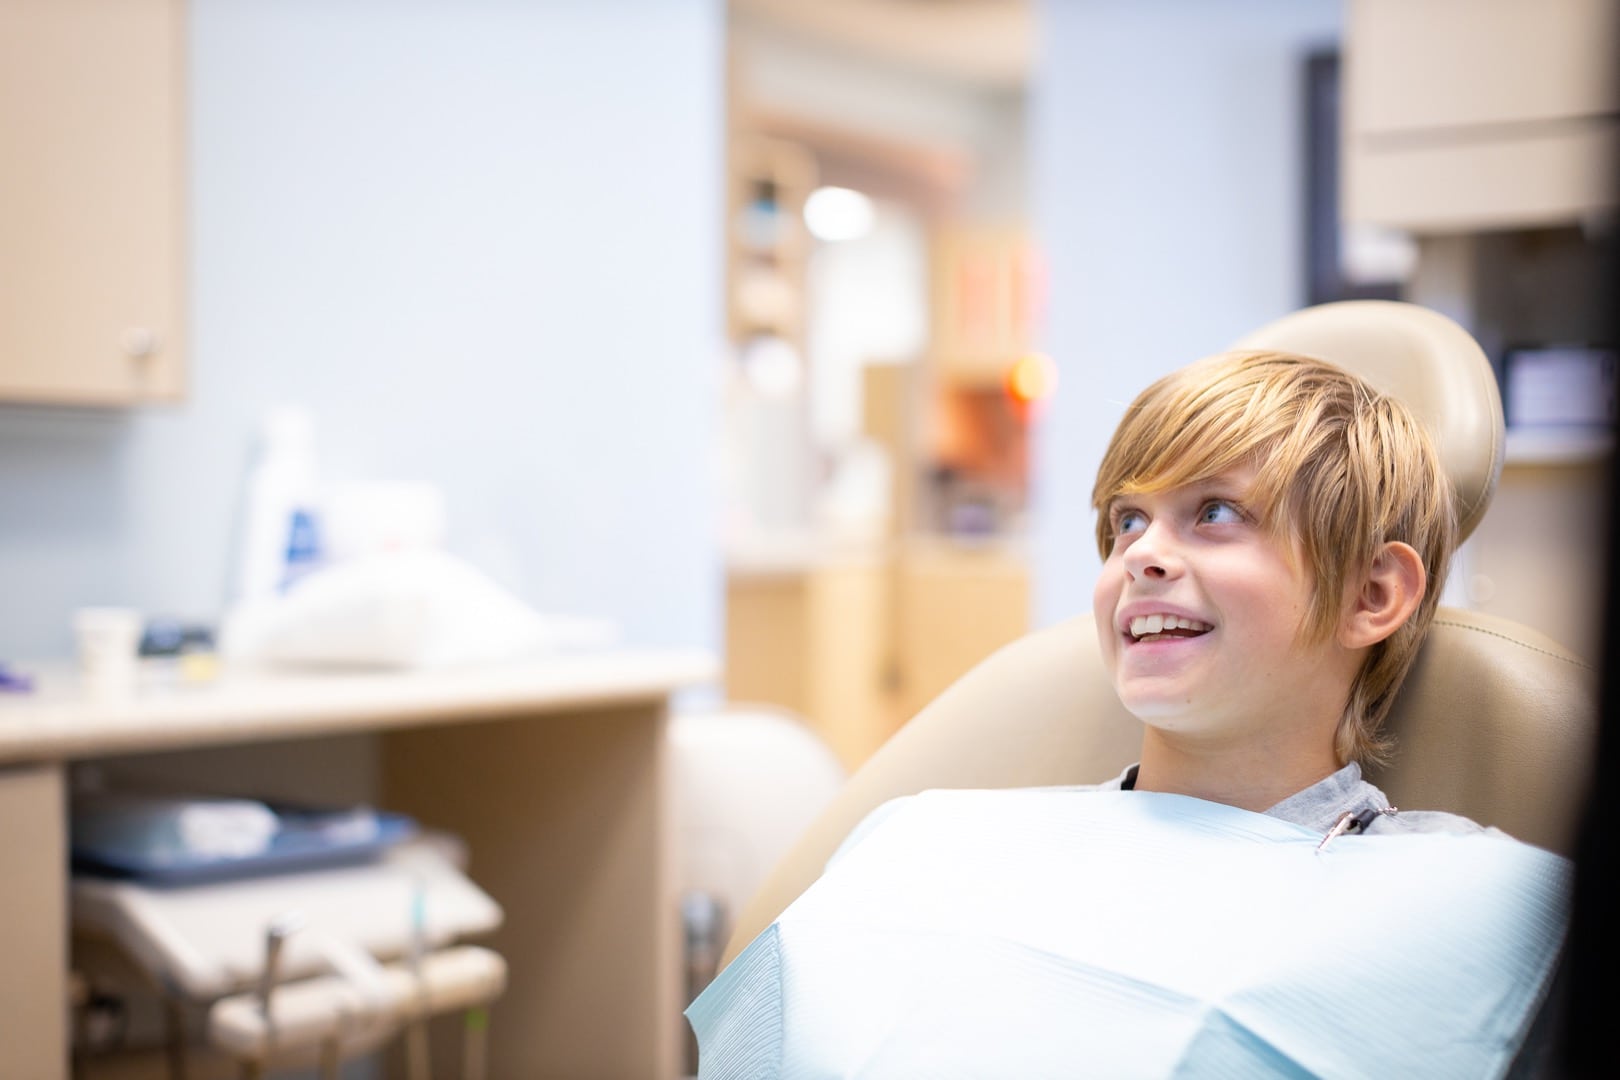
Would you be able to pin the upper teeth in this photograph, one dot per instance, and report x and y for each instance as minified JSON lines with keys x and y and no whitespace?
{"x":1143,"y":625}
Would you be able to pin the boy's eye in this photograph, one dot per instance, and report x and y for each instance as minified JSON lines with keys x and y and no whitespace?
{"x":1220,"y":513}
{"x":1129,"y":521}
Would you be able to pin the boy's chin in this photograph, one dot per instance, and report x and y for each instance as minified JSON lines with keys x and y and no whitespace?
{"x":1159,"y":714}
{"x":1169,"y":713}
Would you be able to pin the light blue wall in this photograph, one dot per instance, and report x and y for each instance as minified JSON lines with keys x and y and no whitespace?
{"x":481,"y":240}
{"x":1166,"y":175}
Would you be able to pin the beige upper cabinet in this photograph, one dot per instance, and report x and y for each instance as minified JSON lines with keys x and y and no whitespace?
{"x":1462,"y":115}
{"x":92,"y":201}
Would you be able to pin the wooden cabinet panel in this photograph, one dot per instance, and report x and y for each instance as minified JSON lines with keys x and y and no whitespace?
{"x":1416,"y":65}
{"x":33,"y":934}
{"x":858,"y":646}
{"x":816,"y":640}
{"x":92,"y":198}
{"x":956,"y":607}
{"x":1463,"y":115}
{"x":1546,"y":177}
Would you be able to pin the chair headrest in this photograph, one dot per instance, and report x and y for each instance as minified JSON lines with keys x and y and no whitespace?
{"x":1427,"y":361}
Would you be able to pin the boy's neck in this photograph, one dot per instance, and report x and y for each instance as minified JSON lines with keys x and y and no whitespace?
{"x":1248,"y":777}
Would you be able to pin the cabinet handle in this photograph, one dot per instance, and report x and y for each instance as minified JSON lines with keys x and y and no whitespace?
{"x":139,"y":342}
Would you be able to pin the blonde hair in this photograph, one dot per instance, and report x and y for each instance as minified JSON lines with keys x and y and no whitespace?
{"x":1341,"y":469}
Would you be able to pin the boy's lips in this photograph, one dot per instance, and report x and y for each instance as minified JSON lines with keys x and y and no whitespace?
{"x":1148,"y":622}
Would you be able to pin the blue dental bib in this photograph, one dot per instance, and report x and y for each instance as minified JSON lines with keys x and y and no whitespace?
{"x":1050,"y":933}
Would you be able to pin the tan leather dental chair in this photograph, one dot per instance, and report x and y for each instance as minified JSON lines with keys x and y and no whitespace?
{"x":1495,"y":721}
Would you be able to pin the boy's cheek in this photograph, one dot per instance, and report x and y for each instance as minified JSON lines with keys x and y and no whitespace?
{"x":1108,"y":643}
{"x":1105,"y":597}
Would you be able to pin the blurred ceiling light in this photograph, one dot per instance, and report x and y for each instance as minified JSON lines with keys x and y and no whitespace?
{"x":1031,"y":378}
{"x":838,"y":213}
{"x":771,"y":367}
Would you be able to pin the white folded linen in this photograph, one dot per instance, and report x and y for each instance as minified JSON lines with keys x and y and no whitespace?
{"x":159,"y":829}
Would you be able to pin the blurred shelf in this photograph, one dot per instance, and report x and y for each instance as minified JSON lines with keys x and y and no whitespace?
{"x":1540,"y":447}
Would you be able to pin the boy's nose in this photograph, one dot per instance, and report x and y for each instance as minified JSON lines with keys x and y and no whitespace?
{"x":1153,"y":554}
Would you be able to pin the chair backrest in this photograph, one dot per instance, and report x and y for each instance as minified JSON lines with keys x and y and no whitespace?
{"x":1494,"y":722}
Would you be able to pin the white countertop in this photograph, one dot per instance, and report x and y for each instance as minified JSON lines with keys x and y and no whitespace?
{"x":60,"y":720}
{"x":805,"y":553}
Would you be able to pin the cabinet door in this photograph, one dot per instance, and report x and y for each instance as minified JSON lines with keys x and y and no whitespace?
{"x":1415,"y":66}
{"x":33,"y":933}
{"x":91,"y":200}
{"x":1465,"y":115}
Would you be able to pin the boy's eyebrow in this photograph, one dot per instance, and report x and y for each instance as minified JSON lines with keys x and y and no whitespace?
{"x":1220,"y":485}
{"x":1225,"y":485}
{"x":1118,"y":502}
{"x":1229,"y":492}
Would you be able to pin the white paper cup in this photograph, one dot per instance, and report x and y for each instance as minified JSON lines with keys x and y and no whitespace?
{"x":109,"y":641}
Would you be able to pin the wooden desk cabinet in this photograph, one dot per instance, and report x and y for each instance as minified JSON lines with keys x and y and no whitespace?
{"x":553,"y":773}
{"x":858,"y":644}
{"x":92,"y":201}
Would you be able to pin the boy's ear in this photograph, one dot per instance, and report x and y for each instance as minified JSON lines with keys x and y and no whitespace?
{"x":1385,"y":597}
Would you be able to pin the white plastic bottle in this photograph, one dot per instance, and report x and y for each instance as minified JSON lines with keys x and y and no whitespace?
{"x":281,"y":526}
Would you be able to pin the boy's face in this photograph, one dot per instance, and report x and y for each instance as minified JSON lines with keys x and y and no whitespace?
{"x":1200,"y":613}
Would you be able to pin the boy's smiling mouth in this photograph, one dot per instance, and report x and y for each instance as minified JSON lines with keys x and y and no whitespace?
{"x":1164,"y":626}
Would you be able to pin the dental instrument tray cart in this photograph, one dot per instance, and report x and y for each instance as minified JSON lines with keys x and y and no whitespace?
{"x":308,"y":966}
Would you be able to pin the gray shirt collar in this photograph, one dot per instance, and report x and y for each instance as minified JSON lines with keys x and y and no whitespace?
{"x":1317,"y":807}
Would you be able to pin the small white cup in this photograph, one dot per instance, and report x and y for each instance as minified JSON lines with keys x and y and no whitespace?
{"x":109,"y":641}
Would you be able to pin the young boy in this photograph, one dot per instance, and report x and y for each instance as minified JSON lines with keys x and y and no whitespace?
{"x":1274,"y":534}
